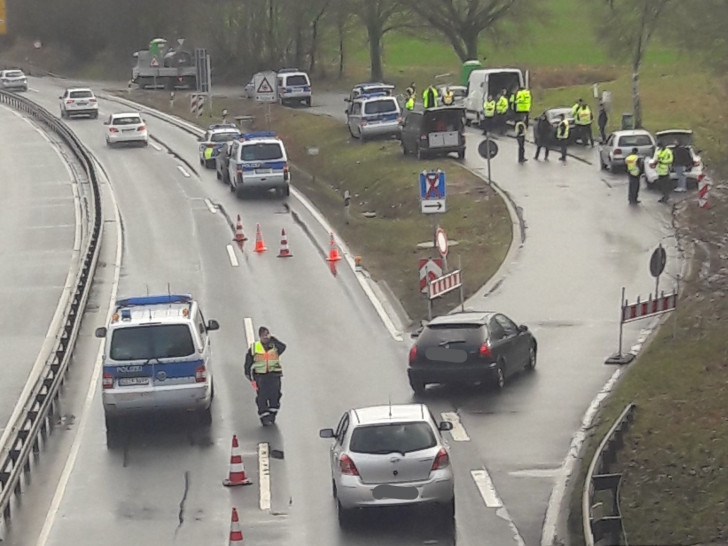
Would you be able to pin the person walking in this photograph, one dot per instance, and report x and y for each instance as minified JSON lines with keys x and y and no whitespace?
{"x":521,"y":139}
{"x":562,"y":136}
{"x":488,"y":114}
{"x":633,"y":162}
{"x":263,"y":369}
{"x":664,"y":163}
{"x":602,"y":121}
{"x":429,"y":97}
{"x":501,"y":111}
{"x":682,"y":161}
{"x":542,"y":135}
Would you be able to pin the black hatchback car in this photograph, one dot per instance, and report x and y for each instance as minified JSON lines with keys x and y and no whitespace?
{"x":434,"y":132}
{"x":470,"y":347}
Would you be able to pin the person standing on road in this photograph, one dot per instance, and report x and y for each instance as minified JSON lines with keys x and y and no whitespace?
{"x":562,"y":136}
{"x":664,"y":163}
{"x":633,"y":162}
{"x":410,"y":103}
{"x":501,"y":111}
{"x":602,"y":121}
{"x":411,"y":90}
{"x":263,"y":369}
{"x":488,"y":114}
{"x":542,"y":135}
{"x":429,"y":97}
{"x":583,"y":120}
{"x":523,"y":104}
{"x":448,"y":97}
{"x":521,"y":139}
{"x":682,"y":161}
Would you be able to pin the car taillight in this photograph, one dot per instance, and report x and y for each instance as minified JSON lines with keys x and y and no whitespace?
{"x":286,"y":173}
{"x":413,"y":354}
{"x":363,"y":122}
{"x":484,"y":351}
{"x":442,"y":460}
{"x":108,"y":381}
{"x":142,"y":128}
{"x":347,"y":466}
{"x":399,"y":119}
{"x":200,"y":374}
{"x":617,"y":151}
{"x":701,"y":176}
{"x":69,"y":101}
{"x":423,"y":137}
{"x":92,"y":100}
{"x":113,"y":130}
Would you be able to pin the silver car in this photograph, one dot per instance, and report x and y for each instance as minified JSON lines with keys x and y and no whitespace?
{"x":390,"y":456}
{"x":694,"y":173}
{"x":619,"y":145}
{"x":13,"y":80}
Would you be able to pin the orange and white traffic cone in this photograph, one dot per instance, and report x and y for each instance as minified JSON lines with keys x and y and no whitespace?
{"x":259,"y":244}
{"x":239,"y":235}
{"x":285,"y":251}
{"x":334,"y":255}
{"x":236,"y":535}
{"x":237,"y":468}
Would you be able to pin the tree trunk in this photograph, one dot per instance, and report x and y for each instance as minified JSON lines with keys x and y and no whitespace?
{"x":375,"y":52}
{"x":314,"y":45}
{"x":341,"y":50}
{"x":636,"y":102}
{"x":470,"y":40}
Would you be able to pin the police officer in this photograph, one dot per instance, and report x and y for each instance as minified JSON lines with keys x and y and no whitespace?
{"x":488,"y":114}
{"x":583,"y":120}
{"x":521,"y":139}
{"x":633,"y":162}
{"x":664,"y":163}
{"x":543,"y":134}
{"x":411,"y":90}
{"x":208,"y":155}
{"x":263,"y":369}
{"x":501,"y":111}
{"x":602,"y":121}
{"x":448,"y":97}
{"x":523,"y":104}
{"x":562,"y":136}
{"x":410,"y":103}
{"x":429,"y":97}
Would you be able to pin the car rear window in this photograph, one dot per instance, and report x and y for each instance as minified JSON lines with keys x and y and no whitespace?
{"x":81,"y":94}
{"x":224,"y":137}
{"x":263,"y":151}
{"x":299,"y":79}
{"x":384,"y":106}
{"x":126,"y":120}
{"x":635,"y":140}
{"x":443,"y":120}
{"x":145,"y":342}
{"x":469,"y":334}
{"x":392,"y":438}
{"x":13,"y":74}
{"x":683,"y":139}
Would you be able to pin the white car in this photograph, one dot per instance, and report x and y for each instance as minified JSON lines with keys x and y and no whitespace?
{"x":293,"y":86}
{"x":694,"y":173}
{"x":79,"y":102}
{"x":13,"y":80}
{"x":126,"y":127}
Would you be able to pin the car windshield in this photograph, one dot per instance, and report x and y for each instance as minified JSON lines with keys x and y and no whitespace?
{"x":262,"y":151}
{"x":634,"y":140}
{"x":683,"y":139}
{"x":443,"y":120}
{"x":299,"y":79}
{"x":13,"y":74}
{"x":384,"y":106}
{"x":81,"y":94}
{"x":145,"y":342}
{"x":392,"y":438}
{"x":126,"y":120}
{"x":224,"y":137}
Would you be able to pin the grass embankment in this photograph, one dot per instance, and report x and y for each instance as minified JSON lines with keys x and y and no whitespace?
{"x":384,"y":182}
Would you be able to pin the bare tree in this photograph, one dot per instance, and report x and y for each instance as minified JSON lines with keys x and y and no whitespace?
{"x":700,"y":31}
{"x":379,"y":17}
{"x":315,"y":28}
{"x":626,"y":27}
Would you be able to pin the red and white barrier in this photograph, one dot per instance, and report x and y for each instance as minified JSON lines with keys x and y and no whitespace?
{"x":649,"y":307}
{"x":444,"y":284}
{"x":703,"y":188}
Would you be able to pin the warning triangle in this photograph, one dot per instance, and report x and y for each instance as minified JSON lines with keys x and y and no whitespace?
{"x":154,"y":62}
{"x":264,"y":86}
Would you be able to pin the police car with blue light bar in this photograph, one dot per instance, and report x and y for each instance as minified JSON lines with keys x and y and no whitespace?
{"x":258,"y":162}
{"x":213,"y":139}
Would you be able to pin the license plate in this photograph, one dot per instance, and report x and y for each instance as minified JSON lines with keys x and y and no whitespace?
{"x":82,"y":103}
{"x":263,"y":171}
{"x":131,"y":381}
{"x":395,"y":492}
{"x":127,"y":130}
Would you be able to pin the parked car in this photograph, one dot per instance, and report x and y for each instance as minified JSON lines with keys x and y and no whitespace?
{"x":13,"y":80}
{"x":434,"y":132}
{"x":293,"y":86}
{"x":470,"y":347}
{"x":216,"y":134}
{"x":459,"y":93}
{"x":619,"y":145}
{"x":374,"y":115}
{"x":553,"y":117}
{"x":367,"y":89}
{"x":684,"y":137}
{"x":390,"y":456}
{"x":222,"y":161}
{"x":128,"y":127}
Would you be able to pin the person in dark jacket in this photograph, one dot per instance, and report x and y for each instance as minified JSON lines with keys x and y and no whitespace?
{"x":602,"y":121}
{"x":542,"y":135}
{"x":682,"y":161}
{"x":263,"y":370}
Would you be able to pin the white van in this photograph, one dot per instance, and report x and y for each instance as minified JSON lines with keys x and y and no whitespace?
{"x":293,"y":86}
{"x":491,"y":81}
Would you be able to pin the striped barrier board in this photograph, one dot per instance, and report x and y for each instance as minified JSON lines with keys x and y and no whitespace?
{"x":442,"y":285}
{"x":649,"y":307}
{"x":197,"y":103}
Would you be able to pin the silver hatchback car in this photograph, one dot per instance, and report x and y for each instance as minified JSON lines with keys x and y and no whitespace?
{"x":390,"y":456}
{"x":619,"y":145}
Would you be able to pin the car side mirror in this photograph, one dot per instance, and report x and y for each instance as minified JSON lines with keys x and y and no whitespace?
{"x":212,"y":325}
{"x":100,"y":332}
{"x":200,"y":139}
{"x":327,"y":433}
{"x":444,"y":425}
{"x":523,"y":328}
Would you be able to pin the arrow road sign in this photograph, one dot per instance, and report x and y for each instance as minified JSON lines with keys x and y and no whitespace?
{"x":433,"y":206}
{"x":432,"y":192}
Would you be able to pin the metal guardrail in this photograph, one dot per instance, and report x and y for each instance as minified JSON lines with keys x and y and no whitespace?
{"x":602,"y":522}
{"x":39,"y":406}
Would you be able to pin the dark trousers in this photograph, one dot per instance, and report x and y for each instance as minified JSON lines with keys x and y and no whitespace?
{"x":585,"y":134}
{"x":665,"y":185}
{"x":562,"y":146}
{"x":521,"y":148}
{"x":268,"y":398}
{"x":500,"y":121}
{"x":545,"y":148}
{"x":487,"y":124}
{"x":634,"y":188}
{"x":602,"y":134}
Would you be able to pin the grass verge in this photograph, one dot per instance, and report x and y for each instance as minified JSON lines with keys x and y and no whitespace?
{"x":380,"y":181}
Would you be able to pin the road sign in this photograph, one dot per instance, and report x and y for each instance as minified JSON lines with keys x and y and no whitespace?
{"x":432,"y":192}
{"x":488,"y":149}
{"x":180,"y":42}
{"x":430,"y":269}
{"x":441,"y":242}
{"x":443,"y":285}
{"x":265,"y":85}
{"x":154,"y":62}
{"x":658,"y":261}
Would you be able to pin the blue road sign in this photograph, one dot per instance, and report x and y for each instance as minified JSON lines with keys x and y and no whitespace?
{"x":432,"y":185}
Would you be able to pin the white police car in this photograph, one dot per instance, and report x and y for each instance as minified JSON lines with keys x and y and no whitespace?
{"x":293,"y":86}
{"x":157,"y":357}
{"x":258,"y":161}
{"x":374,"y":115}
{"x":215,"y":136}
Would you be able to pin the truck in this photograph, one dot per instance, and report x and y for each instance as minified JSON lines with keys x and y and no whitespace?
{"x":162,"y":66}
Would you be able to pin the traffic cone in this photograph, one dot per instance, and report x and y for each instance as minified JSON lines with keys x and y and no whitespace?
{"x":334,"y":255}
{"x":285,"y":251}
{"x":239,"y":235}
{"x":237,"y":468}
{"x":259,"y":244}
{"x":236,"y":535}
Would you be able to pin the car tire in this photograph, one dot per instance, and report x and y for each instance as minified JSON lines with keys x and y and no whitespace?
{"x":287,"y":191}
{"x":238,"y":192}
{"x":448,"y":511}
{"x":467,"y":122}
{"x":531,"y":363}
{"x":307,"y":102}
{"x":418,"y":387}
{"x":500,"y":377}
{"x":112,"y":424}
{"x":461,"y":154}
{"x":145,"y":143}
{"x":345,"y":516}
{"x":95,"y":115}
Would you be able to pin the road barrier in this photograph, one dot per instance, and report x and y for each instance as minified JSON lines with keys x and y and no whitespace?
{"x":21,"y":438}
{"x":602,"y":523}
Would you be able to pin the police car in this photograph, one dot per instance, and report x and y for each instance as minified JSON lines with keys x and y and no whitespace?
{"x":293,"y":86}
{"x":367,"y":88}
{"x":213,"y":139}
{"x":373,"y":115}
{"x":157,"y":357}
{"x":258,"y":161}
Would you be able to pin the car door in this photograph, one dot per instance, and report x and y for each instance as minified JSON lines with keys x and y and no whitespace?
{"x":604,"y":150}
{"x":517,"y":340}
{"x":233,"y":163}
{"x":354,"y":117}
{"x":338,"y":446}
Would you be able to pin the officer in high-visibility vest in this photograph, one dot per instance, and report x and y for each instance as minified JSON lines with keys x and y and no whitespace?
{"x":562,"y":136}
{"x":633,"y":162}
{"x":410,"y":103}
{"x":411,"y":90}
{"x":488,"y":114}
{"x":664,"y":164}
{"x":263,"y":370}
{"x":429,"y":97}
{"x":583,"y":121}
{"x":208,"y":155}
{"x":523,"y":103}
{"x":448,"y":98}
{"x":501,"y":111}
{"x":521,"y":139}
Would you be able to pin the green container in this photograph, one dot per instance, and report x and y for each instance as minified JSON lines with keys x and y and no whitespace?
{"x":627,"y":121}
{"x":156,"y":46}
{"x":468,"y":67}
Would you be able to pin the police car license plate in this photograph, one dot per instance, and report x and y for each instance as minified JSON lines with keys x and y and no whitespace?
{"x":263,"y":171}
{"x":132,"y":381}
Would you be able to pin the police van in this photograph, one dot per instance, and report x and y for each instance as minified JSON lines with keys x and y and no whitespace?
{"x":374,"y":115}
{"x":157,"y":356}
{"x":216,"y":135}
{"x":294,"y":85}
{"x":258,"y":161}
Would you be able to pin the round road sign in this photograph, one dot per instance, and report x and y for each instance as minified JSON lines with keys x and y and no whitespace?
{"x":658,"y":261}
{"x":441,"y":242}
{"x":488,"y":149}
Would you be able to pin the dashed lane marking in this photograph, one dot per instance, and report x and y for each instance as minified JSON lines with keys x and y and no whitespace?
{"x":486,"y":488}
{"x":458,"y":432}
{"x":231,"y":255}
{"x":264,"y":475}
{"x":212,"y":208}
{"x":183,"y":171}
{"x":155,"y":146}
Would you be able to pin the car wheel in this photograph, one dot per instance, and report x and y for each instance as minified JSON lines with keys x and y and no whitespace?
{"x":112,"y":424}
{"x":95,"y":115}
{"x":448,"y":511}
{"x":345,"y":516}
{"x":308,"y":102}
{"x":467,"y":122}
{"x":418,"y":387}
{"x":531,"y":364}
{"x":206,"y":416}
{"x":145,"y":143}
{"x":500,"y":377}
{"x":287,"y":191}
{"x":461,"y":154}
{"x":333,"y":488}
{"x":238,"y":192}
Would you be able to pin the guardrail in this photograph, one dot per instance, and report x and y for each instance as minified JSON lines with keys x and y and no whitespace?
{"x":39,"y":406}
{"x":602,"y":521}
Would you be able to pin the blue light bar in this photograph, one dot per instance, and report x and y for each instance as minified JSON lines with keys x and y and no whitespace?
{"x":365,"y":95}
{"x":154,"y":300}
{"x":259,"y":134}
{"x":222,"y":126}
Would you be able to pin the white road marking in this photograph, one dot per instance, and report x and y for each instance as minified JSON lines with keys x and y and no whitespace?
{"x":249,"y":332}
{"x":155,"y":146}
{"x":212,"y":208}
{"x":264,"y":475}
{"x":535,"y":473}
{"x":183,"y":171}
{"x":34,"y":90}
{"x":486,"y":488}
{"x":458,"y":430}
{"x":231,"y":255}
{"x":85,"y":412}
